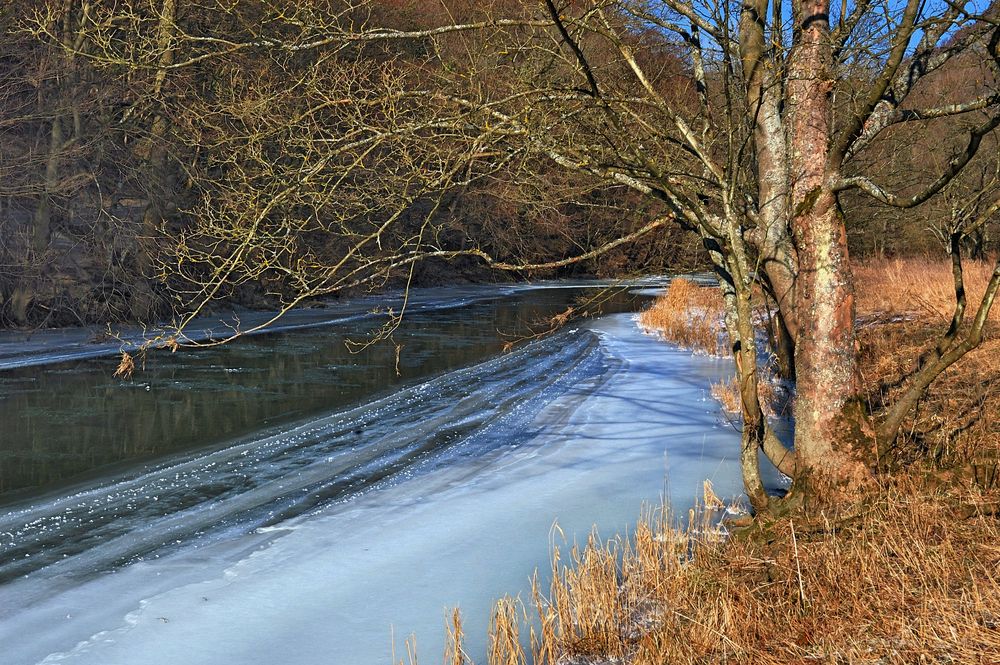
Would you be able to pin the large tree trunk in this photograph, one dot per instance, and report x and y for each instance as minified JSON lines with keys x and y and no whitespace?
{"x":832,"y":432}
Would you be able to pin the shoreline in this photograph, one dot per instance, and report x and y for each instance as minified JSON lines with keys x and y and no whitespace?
{"x":55,"y":345}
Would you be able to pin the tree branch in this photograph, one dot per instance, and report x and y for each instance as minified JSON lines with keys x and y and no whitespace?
{"x":955,"y":166}
{"x":946,"y":354}
{"x":854,"y":126}
{"x":927,"y":58}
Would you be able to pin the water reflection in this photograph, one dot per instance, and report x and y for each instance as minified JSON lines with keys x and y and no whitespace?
{"x":64,"y":421}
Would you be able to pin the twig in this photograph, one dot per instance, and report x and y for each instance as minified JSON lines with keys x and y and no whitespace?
{"x":798,"y":568}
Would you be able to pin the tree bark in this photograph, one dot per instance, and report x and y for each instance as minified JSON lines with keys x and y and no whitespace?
{"x":738,"y":320}
{"x":763,"y":89}
{"x":832,"y":431}
{"x":783,"y":345}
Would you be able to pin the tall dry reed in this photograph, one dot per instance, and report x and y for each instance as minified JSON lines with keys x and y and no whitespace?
{"x":909,"y":577}
{"x":505,"y":634}
{"x":689,"y":315}
{"x":918,"y":286}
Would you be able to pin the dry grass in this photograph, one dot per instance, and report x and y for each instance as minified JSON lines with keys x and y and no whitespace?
{"x":918,"y":286}
{"x":955,"y":424}
{"x":773,"y":400}
{"x":454,"y":654}
{"x":505,"y":639}
{"x":727,"y":393}
{"x":689,"y":315}
{"x":909,"y":577}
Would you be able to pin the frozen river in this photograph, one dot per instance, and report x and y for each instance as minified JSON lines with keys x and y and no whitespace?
{"x":315,"y":535}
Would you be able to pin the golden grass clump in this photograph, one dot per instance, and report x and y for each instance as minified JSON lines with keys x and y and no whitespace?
{"x":907,"y":577}
{"x":772,"y":400}
{"x":918,"y":287}
{"x":505,"y":643}
{"x":727,"y":393}
{"x":454,"y":653}
{"x":688,"y":315}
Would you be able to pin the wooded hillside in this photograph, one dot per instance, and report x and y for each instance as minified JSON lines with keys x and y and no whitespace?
{"x":138,"y":137}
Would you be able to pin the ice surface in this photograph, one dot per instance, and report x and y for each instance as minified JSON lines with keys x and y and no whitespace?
{"x":267,"y":479}
{"x":330,"y":585}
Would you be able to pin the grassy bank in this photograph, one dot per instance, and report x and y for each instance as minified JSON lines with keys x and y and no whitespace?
{"x":910,"y":574}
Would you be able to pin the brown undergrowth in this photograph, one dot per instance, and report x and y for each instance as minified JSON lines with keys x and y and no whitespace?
{"x":909,"y":574}
{"x":905,"y":305}
{"x":689,"y":315}
{"x":920,"y":287}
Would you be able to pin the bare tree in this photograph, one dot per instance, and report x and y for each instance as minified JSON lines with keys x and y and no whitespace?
{"x":736,"y":122}
{"x":51,"y":154}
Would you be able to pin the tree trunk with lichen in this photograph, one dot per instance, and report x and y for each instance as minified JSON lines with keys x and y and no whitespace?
{"x":801,"y":242}
{"x":832,"y":431}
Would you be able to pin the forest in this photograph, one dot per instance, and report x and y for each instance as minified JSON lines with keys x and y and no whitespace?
{"x":138,"y":137}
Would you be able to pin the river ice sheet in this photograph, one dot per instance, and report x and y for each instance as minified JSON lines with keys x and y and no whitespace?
{"x":331,"y":584}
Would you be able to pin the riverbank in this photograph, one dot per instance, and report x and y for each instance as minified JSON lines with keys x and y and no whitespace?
{"x":908,"y":574}
{"x":20,"y":348}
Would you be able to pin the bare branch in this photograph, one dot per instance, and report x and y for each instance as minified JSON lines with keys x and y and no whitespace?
{"x":855,"y":124}
{"x":955,"y":166}
{"x":948,"y":352}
